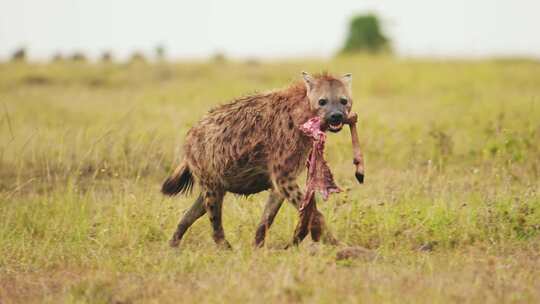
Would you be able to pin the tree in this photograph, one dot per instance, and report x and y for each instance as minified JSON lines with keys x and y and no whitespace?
{"x":365,"y":35}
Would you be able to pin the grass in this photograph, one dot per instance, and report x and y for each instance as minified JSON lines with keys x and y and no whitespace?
{"x":453,"y":161}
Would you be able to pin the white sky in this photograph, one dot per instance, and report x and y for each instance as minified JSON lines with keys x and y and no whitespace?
{"x":268,"y":29}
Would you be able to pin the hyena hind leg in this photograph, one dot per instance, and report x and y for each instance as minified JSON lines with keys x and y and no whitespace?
{"x":213,"y":201}
{"x":192,"y":214}
{"x":273,"y":204}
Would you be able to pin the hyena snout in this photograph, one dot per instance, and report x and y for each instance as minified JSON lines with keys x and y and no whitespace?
{"x":334,"y":119}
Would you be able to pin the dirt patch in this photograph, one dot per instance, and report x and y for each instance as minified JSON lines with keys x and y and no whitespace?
{"x":355,"y":252}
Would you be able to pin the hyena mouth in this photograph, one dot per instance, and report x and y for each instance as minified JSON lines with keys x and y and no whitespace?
{"x":335,"y":127}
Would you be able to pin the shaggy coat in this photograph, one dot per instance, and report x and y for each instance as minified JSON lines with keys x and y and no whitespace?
{"x":252,"y":144}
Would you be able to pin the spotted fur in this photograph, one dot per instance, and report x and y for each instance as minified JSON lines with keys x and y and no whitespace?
{"x":249,"y":145}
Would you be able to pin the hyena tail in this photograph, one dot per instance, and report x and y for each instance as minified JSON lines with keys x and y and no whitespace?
{"x":181,"y":181}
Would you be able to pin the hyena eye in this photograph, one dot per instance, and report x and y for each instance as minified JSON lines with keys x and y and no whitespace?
{"x":322,"y":102}
{"x":343,"y":100}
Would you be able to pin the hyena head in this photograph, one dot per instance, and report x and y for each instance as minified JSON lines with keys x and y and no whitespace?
{"x":330,"y":97}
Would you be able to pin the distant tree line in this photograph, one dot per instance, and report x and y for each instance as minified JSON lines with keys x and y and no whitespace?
{"x":365,"y":35}
{"x":20,"y":55}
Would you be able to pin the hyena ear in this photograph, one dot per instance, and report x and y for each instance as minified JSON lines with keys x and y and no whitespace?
{"x":347,"y":79}
{"x":308,"y":80}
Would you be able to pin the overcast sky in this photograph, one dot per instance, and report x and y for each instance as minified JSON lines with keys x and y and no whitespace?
{"x":267,"y":29}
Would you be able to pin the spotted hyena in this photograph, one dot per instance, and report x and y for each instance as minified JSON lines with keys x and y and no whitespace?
{"x":253,"y":144}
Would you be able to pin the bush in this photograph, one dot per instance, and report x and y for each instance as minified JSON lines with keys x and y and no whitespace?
{"x":160,"y":52}
{"x":19,"y":55}
{"x":365,"y":35}
{"x":57,"y":57}
{"x":106,"y":57}
{"x":78,"y":57}
{"x":137,"y":57}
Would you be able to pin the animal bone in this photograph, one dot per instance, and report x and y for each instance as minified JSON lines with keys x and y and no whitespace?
{"x":358,"y":159}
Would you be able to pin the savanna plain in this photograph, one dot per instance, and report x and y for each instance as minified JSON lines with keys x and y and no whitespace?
{"x":450,"y":206}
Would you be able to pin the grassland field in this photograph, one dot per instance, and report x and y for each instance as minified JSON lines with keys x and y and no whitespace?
{"x":450,"y":207}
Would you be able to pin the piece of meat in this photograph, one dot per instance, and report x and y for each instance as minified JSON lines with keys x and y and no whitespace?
{"x":358,"y":159}
{"x":319,"y":177}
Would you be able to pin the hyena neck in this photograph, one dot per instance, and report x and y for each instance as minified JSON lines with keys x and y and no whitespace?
{"x":298,"y":105}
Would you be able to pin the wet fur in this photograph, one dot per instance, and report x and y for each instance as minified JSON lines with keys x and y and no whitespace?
{"x":247,"y":146}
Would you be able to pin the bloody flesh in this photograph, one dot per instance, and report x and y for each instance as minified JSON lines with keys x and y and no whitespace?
{"x":319,"y":177}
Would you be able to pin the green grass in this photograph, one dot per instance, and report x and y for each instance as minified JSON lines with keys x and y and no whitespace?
{"x":452,"y":154}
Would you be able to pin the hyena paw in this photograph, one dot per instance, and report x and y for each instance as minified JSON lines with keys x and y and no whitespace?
{"x":224,"y":244}
{"x":174,"y":242}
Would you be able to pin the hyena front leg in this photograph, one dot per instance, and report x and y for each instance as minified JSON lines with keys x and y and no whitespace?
{"x":194,"y":212}
{"x":319,"y":228}
{"x":311,"y":219}
{"x":287,"y":186}
{"x":213,"y":201}
{"x":275,"y":200}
